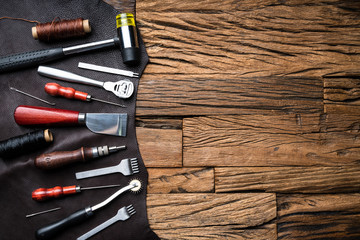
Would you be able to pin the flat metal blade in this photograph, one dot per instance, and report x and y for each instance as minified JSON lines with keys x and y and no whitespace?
{"x":107,"y":123}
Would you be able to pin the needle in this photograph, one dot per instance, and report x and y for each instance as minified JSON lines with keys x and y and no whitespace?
{"x":29,"y":95}
{"x":42,"y":212}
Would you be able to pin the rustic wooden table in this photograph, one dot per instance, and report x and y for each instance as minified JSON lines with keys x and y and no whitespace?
{"x":248,"y":118}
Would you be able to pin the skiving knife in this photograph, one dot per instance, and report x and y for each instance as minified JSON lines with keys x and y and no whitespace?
{"x":104,"y":123}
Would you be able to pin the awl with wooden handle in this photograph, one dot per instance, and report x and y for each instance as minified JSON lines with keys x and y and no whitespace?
{"x":42,"y":194}
{"x":104,"y":123}
{"x":59,"y":159}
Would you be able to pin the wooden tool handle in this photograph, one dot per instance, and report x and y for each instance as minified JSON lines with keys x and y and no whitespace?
{"x":42,"y":194}
{"x":59,"y":159}
{"x":30,"y":115}
{"x":55,"y":89}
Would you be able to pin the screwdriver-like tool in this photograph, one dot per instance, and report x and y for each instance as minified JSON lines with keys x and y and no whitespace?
{"x":42,"y":194}
{"x":55,"y":89}
{"x":59,"y":159}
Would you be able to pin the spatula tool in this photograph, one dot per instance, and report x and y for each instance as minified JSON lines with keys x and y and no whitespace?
{"x":122,"y":89}
{"x":104,"y":123}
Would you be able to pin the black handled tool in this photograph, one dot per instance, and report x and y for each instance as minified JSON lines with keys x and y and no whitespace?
{"x":35,"y":58}
{"x":49,"y":231}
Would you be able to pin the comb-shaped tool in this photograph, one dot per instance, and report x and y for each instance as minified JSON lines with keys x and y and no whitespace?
{"x":127,"y":167}
{"x":123,"y":214}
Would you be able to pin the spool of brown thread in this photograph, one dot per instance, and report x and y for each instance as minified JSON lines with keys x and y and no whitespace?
{"x":63,"y":29}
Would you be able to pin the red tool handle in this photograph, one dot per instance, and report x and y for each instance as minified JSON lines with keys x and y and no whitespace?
{"x":30,"y":115}
{"x":42,"y":194}
{"x":55,"y":89}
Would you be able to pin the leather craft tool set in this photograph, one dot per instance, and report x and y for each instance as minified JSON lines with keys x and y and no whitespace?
{"x":111,"y":124}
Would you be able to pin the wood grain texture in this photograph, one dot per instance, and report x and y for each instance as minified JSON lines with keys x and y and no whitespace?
{"x":180,"y":180}
{"x":288,"y":179}
{"x":160,"y":147}
{"x":271,"y":140}
{"x":188,"y":211}
{"x":193,"y":95}
{"x":265,"y":232}
{"x":342,"y":94}
{"x":288,"y":38}
{"x":319,"y":216}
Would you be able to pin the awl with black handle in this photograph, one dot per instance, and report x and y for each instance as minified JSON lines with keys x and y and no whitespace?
{"x":59,"y":159}
{"x":103,"y":123}
{"x":35,"y":58}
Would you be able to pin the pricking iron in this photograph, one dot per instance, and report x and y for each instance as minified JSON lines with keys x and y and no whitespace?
{"x":123,"y":214}
{"x":127,"y":167}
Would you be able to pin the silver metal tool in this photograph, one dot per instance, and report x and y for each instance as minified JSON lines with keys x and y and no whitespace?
{"x":32,"y":96}
{"x":127,"y":166}
{"x":42,"y":212}
{"x":122,"y":89}
{"x":98,"y":68}
{"x":104,"y":123}
{"x":123,"y":214}
{"x":55,"y":228}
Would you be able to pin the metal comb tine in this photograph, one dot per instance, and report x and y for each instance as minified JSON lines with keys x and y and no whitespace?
{"x":134,"y":165}
{"x":131,"y":210}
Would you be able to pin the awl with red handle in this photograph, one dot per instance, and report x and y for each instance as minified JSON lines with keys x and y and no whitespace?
{"x":104,"y":123}
{"x":55,"y":89}
{"x":42,"y":194}
{"x":59,"y":159}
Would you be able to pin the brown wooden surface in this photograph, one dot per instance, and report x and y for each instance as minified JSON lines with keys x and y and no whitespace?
{"x":248,"y":118}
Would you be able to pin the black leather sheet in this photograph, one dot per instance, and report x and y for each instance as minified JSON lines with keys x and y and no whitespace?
{"x":18,"y":176}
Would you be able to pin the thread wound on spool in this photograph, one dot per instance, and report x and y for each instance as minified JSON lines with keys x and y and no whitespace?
{"x":18,"y":145}
{"x":62,"y":29}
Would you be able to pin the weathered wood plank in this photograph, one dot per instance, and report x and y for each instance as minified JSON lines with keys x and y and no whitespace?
{"x":180,"y":180}
{"x":319,"y":216}
{"x":159,"y":123}
{"x":184,"y":95}
{"x":228,"y":232}
{"x":160,"y":147}
{"x":288,"y":179}
{"x":188,"y":211}
{"x":271,"y":140}
{"x":342,"y":95}
{"x":292,"y":38}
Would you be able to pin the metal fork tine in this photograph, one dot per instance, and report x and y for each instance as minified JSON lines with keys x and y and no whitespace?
{"x":131,"y":210}
{"x":134,"y":165}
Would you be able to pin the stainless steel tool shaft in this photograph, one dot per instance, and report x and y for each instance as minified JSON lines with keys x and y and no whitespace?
{"x":123,"y":214}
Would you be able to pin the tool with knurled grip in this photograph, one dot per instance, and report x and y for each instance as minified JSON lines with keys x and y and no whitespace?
{"x":42,"y":194}
{"x":54,"y":229}
{"x":55,"y":89}
{"x":34,"y":58}
{"x":59,"y":159}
